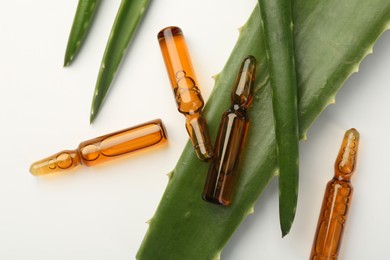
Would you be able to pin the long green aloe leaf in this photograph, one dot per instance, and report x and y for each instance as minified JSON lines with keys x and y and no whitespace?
{"x":126,"y":22}
{"x":276,"y":20}
{"x":331,"y":39}
{"x":81,"y":23}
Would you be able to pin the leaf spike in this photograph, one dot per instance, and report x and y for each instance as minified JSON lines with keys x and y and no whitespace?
{"x":170,"y":175}
{"x":149,"y":221}
{"x":251,"y":211}
{"x":216,"y":76}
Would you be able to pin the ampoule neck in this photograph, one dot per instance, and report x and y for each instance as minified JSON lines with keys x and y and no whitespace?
{"x":243,"y":87}
{"x":236,"y":107}
{"x":342,"y":178}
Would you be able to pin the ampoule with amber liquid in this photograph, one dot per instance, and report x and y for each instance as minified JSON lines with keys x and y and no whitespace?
{"x":336,"y":202}
{"x":231,"y":134}
{"x":185,"y":88}
{"x":104,"y":148}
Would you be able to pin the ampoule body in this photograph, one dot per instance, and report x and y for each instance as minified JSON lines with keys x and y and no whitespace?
{"x":337,"y":201}
{"x":104,"y":148}
{"x":231,"y":134}
{"x":185,"y":87}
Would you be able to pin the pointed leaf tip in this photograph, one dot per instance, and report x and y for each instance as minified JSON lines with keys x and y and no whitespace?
{"x":66,"y":63}
{"x":91,"y":117}
{"x":82,"y":21}
{"x":126,"y":22}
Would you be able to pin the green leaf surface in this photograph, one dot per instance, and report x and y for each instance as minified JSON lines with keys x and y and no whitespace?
{"x":126,"y":22}
{"x":81,"y":23}
{"x":277,"y":25}
{"x":331,"y":39}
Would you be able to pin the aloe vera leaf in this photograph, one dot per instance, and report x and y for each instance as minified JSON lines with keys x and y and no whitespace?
{"x":82,"y":21}
{"x":276,"y":20}
{"x":126,"y":22}
{"x":328,"y":50}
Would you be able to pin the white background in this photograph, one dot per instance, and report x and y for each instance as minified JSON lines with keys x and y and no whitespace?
{"x":100,"y":213}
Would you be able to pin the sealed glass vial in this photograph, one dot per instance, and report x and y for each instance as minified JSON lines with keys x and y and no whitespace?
{"x":336,"y":202}
{"x":187,"y":94}
{"x":222,"y":172}
{"x":104,"y":148}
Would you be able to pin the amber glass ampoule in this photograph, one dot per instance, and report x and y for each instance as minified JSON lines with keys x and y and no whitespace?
{"x":221,"y":176}
{"x":103,"y":148}
{"x":336,"y":202}
{"x":187,"y":94}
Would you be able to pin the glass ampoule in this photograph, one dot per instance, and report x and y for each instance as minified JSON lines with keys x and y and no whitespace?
{"x":231,"y":134}
{"x":187,"y":93}
{"x":337,"y":201}
{"x":104,"y":148}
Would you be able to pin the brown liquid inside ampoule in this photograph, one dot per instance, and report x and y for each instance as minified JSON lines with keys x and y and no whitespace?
{"x":231,"y":134}
{"x":187,"y":93}
{"x":336,"y":202}
{"x":104,"y":148}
